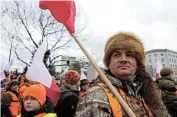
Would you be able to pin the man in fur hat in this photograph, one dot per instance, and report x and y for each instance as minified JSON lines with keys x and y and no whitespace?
{"x":124,"y":58}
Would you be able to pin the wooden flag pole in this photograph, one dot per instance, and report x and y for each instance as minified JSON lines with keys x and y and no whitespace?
{"x":105,"y":79}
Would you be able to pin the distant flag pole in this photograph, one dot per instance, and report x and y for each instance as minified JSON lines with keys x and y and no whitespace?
{"x":64,"y":12}
{"x":158,"y":69}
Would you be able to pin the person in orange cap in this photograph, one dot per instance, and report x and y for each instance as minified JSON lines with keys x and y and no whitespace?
{"x":67,"y":103}
{"x":35,"y":102}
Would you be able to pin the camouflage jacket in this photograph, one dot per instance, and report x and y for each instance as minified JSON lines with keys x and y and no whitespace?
{"x":95,"y":102}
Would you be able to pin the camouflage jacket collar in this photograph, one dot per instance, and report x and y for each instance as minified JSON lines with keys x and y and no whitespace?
{"x":130,"y":88}
{"x":115,"y":81}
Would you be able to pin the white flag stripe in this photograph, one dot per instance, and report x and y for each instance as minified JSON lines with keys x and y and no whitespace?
{"x":158,"y":67}
{"x":83,"y":75}
{"x":38,"y":71}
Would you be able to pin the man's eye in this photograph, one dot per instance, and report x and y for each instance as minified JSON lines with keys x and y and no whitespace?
{"x":130,"y":54}
{"x":32,"y":98}
{"x":26,"y":98}
{"x":116,"y":54}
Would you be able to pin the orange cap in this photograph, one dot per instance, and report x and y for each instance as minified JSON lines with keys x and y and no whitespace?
{"x":37,"y":91}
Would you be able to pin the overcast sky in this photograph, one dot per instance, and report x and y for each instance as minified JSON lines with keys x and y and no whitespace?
{"x":154,"y":21}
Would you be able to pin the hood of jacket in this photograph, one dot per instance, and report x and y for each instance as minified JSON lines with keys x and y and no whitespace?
{"x":68,"y":89}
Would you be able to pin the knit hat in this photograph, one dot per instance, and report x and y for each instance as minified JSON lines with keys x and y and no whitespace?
{"x":125,"y":41}
{"x":165,"y":72}
{"x":37,"y":91}
{"x":72,"y":77}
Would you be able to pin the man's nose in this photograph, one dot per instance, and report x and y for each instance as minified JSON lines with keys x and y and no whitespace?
{"x":28,"y":100}
{"x":123,"y":57}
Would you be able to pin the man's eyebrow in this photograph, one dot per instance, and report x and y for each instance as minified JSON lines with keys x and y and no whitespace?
{"x":117,"y":50}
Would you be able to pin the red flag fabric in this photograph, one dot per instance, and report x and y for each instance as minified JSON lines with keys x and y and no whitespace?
{"x":63,"y":11}
{"x":53,"y":92}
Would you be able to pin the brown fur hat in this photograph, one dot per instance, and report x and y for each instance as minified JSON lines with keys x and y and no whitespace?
{"x":127,"y":41}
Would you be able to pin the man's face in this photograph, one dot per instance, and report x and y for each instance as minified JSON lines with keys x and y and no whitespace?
{"x":172,"y":76}
{"x":14,"y":87}
{"x":123,"y":65}
{"x":62,"y":82}
{"x":85,"y":87}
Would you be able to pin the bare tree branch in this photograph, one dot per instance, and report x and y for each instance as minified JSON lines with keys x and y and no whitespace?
{"x":61,"y":45}
{"x":10,"y":50}
{"x":56,"y":43}
{"x":27,"y":30}
{"x":56,"y":57}
{"x":20,"y":58}
{"x":62,"y":65}
{"x":25,"y":21}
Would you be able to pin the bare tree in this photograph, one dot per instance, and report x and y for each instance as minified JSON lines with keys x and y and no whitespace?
{"x":27,"y":26}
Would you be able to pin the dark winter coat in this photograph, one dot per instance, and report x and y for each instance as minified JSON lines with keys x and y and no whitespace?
{"x":170,"y":101}
{"x":5,"y":103}
{"x":67,"y":103}
{"x":48,"y":107}
{"x":166,"y":84}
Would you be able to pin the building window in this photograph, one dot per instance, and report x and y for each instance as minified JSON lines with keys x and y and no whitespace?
{"x":161,"y":54}
{"x":162,"y":59}
{"x":150,"y":61}
{"x":155,"y":55}
{"x":149,"y":56}
{"x":171,"y":65}
{"x":155,"y":60}
{"x":163,"y":65}
{"x":170,"y":60}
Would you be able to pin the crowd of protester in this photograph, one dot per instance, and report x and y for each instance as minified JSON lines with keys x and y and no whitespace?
{"x":124,"y":60}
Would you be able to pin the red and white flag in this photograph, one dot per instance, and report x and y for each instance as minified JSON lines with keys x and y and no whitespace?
{"x":38,"y":72}
{"x":63,"y":11}
{"x":158,"y":69}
